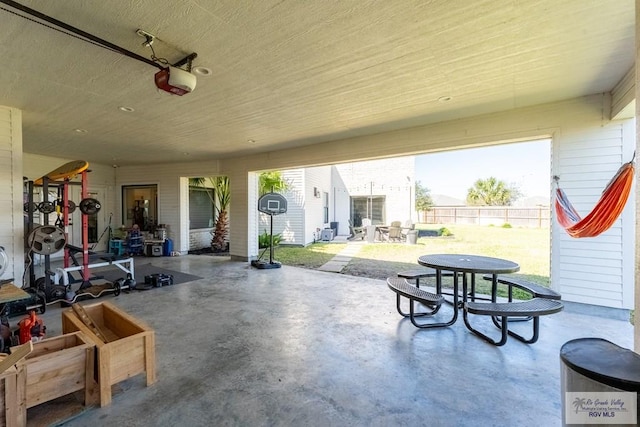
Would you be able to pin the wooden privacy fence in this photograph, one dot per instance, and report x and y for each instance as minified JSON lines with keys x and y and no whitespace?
{"x":532,"y":217}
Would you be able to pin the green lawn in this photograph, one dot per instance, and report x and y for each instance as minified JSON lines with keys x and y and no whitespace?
{"x":528,"y":247}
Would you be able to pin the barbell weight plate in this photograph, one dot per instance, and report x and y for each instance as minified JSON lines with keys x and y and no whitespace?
{"x":40,"y":284}
{"x":46,"y":240}
{"x":46,"y":207}
{"x":71,"y":206}
{"x":34,"y":206}
{"x":90,"y":206}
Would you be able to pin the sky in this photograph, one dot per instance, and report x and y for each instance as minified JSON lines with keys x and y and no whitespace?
{"x":526,"y":165}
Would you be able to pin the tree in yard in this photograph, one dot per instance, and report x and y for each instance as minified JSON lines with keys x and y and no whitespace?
{"x":492,"y":192}
{"x":424,"y":202}
{"x":271,"y":181}
{"x":222,"y":196}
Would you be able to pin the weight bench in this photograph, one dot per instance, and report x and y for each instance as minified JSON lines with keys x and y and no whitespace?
{"x":534,"y":308}
{"x":433,"y":301}
{"x":93,"y":256}
{"x":104,"y":259}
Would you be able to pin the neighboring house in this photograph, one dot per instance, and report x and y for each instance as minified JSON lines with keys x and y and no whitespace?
{"x":331,"y":196}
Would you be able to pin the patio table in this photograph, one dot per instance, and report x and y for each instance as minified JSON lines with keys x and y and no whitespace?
{"x":462,"y":264}
{"x":382,"y":231}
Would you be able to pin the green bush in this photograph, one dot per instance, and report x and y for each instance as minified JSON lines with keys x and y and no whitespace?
{"x":264,"y":240}
{"x":506,"y":225}
{"x":444,"y":231}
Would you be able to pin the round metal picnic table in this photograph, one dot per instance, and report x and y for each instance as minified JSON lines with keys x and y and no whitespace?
{"x":472,"y":264}
{"x":467,"y":265}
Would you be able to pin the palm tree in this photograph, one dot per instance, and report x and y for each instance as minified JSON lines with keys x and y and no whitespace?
{"x":222,"y":195}
{"x":492,"y":192}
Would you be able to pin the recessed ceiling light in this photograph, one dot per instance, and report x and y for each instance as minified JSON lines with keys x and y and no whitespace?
{"x":78,"y":130}
{"x":202,"y":71}
{"x":445,"y":99}
{"x":126,"y":109}
{"x":251,"y":141}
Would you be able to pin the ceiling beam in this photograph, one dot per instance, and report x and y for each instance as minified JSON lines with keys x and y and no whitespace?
{"x":623,"y":96}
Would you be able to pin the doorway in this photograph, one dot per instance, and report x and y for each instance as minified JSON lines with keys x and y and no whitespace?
{"x":140,"y":206}
{"x":372,"y":207}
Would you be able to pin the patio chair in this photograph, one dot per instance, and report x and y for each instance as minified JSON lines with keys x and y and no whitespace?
{"x":356,"y":232}
{"x":395,"y":232}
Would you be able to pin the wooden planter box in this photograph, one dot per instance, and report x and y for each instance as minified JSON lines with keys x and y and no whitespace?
{"x":12,"y":409}
{"x":56,"y":367}
{"x":129,"y":350}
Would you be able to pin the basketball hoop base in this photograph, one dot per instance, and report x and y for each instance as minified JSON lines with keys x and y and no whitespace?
{"x":263,"y":265}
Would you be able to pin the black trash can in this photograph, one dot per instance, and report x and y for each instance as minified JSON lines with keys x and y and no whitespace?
{"x":334,"y":227}
{"x":600,"y":383}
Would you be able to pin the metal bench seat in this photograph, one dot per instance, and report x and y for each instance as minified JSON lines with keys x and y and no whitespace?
{"x":433,"y":301}
{"x":420,"y":273}
{"x":537,"y":291}
{"x":534,"y":308}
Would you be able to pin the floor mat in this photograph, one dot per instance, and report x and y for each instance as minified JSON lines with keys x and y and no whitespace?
{"x":113,"y":274}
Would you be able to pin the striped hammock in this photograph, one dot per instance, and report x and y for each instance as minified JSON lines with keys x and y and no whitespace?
{"x":606,"y":211}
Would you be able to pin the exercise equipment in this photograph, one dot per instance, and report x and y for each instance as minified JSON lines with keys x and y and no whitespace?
{"x":90,"y":206}
{"x":30,"y":206}
{"x":65,"y":172}
{"x":605,"y":213}
{"x":71,"y":206}
{"x":158,"y":280}
{"x":106,"y":229}
{"x":46,"y":240}
{"x":46,"y":207}
{"x":129,"y":282}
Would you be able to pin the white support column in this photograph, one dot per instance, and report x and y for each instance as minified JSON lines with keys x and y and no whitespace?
{"x":11,"y":237}
{"x":637,"y":272}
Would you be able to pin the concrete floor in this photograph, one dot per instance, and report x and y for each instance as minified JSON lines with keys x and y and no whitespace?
{"x":295,"y":347}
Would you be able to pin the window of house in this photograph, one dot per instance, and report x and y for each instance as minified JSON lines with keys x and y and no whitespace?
{"x":200,"y":208}
{"x":325,"y":207}
{"x":372,"y":207}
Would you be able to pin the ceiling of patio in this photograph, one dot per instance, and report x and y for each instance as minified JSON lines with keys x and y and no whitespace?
{"x":287,"y":74}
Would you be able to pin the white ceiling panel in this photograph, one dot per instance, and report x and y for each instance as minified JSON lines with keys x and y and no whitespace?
{"x":293,"y":73}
